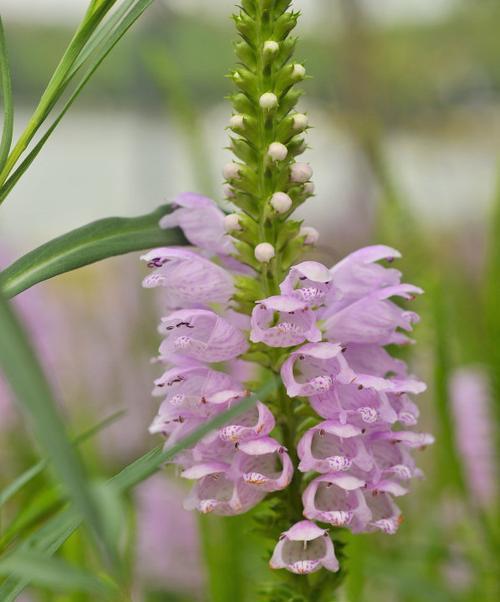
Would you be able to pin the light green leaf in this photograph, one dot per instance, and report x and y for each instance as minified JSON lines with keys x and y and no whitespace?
{"x":33,"y":394}
{"x":8,"y":108}
{"x":52,"y":573}
{"x":55,"y":532}
{"x":88,"y":244}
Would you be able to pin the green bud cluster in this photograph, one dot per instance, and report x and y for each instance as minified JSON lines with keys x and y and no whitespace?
{"x":267,"y":134}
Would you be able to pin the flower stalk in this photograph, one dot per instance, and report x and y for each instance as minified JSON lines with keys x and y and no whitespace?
{"x":330,"y":449}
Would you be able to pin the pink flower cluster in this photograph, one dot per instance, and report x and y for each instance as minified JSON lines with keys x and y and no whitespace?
{"x":338,"y":322}
{"x":235,"y":467}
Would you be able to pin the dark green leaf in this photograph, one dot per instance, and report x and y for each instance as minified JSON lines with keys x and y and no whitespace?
{"x":88,"y":244}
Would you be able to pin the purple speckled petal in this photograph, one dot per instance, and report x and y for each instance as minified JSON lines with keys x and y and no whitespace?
{"x":200,"y":335}
{"x":296,"y":322}
{"x":309,"y":282}
{"x":263,"y":463}
{"x":188,"y":279}
{"x":201,"y":221}
{"x":257,"y":422}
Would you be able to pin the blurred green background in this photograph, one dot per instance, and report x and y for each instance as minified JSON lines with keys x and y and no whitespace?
{"x":405,"y":104}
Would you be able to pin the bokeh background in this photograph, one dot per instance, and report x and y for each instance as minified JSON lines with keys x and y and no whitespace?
{"x":404,"y":102}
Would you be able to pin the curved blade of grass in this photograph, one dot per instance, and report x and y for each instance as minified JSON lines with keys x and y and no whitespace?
{"x":51,"y":573}
{"x":58,"y":82}
{"x":29,"y":474}
{"x":32,"y":392}
{"x":107,"y":45}
{"x":88,"y":244}
{"x":8,"y":108}
{"x":55,"y":532}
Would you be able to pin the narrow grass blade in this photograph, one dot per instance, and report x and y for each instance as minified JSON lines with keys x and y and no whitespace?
{"x":108,"y":44}
{"x":88,"y":244}
{"x":32,"y":392}
{"x":52,"y":573}
{"x":53,"y":534}
{"x":8,"y":107}
{"x":29,"y":474}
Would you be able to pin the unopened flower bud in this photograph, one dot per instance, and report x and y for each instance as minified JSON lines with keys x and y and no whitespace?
{"x":264,"y":252}
{"x":281,"y":202}
{"x":309,"y":188}
{"x":310,"y":234}
{"x":277,"y":151}
{"x":271,"y":47}
{"x":231,"y":170}
{"x":299,"y":71}
{"x":300,"y":122}
{"x":228,"y":191}
{"x":268,"y":100}
{"x":237,"y":122}
{"x":300,"y":172}
{"x":232,"y":222}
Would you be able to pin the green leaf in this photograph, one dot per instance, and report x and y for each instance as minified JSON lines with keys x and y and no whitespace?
{"x":55,"y":532}
{"x":51,"y":573}
{"x":29,"y":474}
{"x":33,"y":394}
{"x":8,"y":108}
{"x":58,"y":82}
{"x":88,"y":244}
{"x":104,"y":41}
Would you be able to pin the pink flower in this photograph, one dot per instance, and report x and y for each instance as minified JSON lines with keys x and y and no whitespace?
{"x":358,"y":274}
{"x":471,"y":400}
{"x":309,"y":282}
{"x":201,"y":221}
{"x":320,"y":365}
{"x":373,"y":319}
{"x":296,"y":323}
{"x":215,"y":491}
{"x":256,"y":422}
{"x":333,"y":447}
{"x":303,"y":549}
{"x":201,"y":335}
{"x":385,"y":515}
{"x":189,"y":279}
{"x":264,"y":464}
{"x":337,"y":500}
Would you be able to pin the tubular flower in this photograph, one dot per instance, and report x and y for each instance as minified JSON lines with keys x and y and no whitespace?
{"x":304,"y":548}
{"x":243,"y":303}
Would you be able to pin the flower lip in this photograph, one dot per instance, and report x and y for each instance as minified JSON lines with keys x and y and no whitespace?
{"x":283,"y":303}
{"x":203,"y":469}
{"x":313,"y":270}
{"x":305,"y":530}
